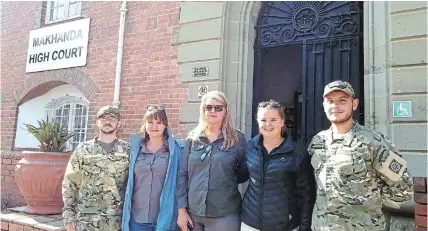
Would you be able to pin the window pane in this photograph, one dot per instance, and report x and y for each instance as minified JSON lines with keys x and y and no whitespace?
{"x":76,"y":137}
{"x":82,"y":137}
{"x":79,"y":126}
{"x":52,"y":9}
{"x":67,"y":109}
{"x":73,"y":8}
{"x":50,"y":114}
{"x":62,"y":115}
{"x":59,"y":112}
{"x":58,"y":116}
{"x":60,"y":11}
{"x":65,"y":123}
{"x":79,"y":109}
{"x":84,"y":121}
{"x":66,"y":115}
{"x":77,"y":120}
{"x":52,"y":5}
{"x":73,"y":117}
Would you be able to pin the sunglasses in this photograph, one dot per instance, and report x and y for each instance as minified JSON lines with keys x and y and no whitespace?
{"x":208,"y":151}
{"x":155,"y":107}
{"x":269,"y":103}
{"x":217,"y":108}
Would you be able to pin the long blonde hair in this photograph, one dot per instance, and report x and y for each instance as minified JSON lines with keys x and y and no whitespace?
{"x":227,"y":129}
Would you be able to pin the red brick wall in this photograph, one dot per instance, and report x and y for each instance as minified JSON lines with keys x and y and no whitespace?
{"x":420,"y":188}
{"x":16,"y":23}
{"x":150,"y":72}
{"x":10,"y":195}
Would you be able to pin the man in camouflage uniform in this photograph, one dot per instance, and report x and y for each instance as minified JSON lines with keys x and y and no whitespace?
{"x":94,"y":183}
{"x":357,"y":169}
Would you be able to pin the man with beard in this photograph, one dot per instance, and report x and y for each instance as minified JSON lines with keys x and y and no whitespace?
{"x":358,"y":170}
{"x":94,"y":183}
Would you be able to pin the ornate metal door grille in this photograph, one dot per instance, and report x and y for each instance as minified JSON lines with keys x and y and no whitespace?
{"x":331,"y":35}
{"x":283,"y":23}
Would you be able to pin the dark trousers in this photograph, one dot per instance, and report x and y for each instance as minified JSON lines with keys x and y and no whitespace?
{"x":227,"y":223}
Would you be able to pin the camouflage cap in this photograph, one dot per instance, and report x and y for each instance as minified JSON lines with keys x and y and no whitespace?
{"x":108,"y":110}
{"x":339,"y":85}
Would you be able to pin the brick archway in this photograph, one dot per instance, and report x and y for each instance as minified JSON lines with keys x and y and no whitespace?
{"x":73,"y":76}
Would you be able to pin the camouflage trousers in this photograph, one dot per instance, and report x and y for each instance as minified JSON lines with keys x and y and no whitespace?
{"x":101,"y":225}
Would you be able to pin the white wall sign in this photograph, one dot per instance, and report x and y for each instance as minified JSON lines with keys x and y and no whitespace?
{"x":60,"y":46}
{"x":202,"y":90}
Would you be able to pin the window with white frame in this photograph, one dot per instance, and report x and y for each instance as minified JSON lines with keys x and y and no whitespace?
{"x":71,"y":112}
{"x":62,"y":10}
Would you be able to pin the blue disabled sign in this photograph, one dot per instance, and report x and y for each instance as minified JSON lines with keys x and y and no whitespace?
{"x":402,"y":108}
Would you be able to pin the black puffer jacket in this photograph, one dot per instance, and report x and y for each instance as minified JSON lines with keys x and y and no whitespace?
{"x":281,"y":193}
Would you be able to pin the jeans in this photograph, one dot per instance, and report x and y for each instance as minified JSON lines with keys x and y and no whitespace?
{"x":134,"y":226}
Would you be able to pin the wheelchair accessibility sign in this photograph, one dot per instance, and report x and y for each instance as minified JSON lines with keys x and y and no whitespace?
{"x":402,"y":108}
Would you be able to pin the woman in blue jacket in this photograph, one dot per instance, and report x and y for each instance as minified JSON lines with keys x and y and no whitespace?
{"x":150,"y":203}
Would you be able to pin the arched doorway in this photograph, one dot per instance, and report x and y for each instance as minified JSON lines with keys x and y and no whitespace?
{"x":300,"y":47}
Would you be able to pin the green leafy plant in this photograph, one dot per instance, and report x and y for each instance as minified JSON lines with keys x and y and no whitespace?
{"x":51,"y":135}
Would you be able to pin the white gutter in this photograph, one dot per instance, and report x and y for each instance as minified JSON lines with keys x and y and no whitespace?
{"x":119,"y":57}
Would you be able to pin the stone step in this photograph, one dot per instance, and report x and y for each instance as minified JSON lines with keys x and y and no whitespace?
{"x":15,"y":219}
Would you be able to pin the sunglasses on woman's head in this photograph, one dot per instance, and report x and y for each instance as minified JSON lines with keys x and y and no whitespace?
{"x":153,"y":107}
{"x":269,"y":103}
{"x":217,"y":108}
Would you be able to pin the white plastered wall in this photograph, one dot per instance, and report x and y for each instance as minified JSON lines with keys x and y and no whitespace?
{"x":33,"y":110}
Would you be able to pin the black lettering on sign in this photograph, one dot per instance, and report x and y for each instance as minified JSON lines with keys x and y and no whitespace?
{"x":61,"y":54}
{"x":39,"y":58}
{"x":55,"y":55}
{"x":58,"y":37}
{"x":69,"y":53}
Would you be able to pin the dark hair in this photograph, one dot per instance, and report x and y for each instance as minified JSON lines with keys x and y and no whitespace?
{"x":272,"y":104}
{"x":156,"y":112}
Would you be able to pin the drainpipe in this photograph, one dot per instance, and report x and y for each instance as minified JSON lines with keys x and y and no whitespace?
{"x":372,"y":66}
{"x":119,"y":57}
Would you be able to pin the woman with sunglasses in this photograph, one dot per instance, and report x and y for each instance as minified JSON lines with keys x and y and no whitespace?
{"x":154,"y":162}
{"x":207,"y":188}
{"x":281,"y":193}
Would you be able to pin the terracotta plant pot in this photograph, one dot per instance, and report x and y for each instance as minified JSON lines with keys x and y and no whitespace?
{"x":39,"y":178}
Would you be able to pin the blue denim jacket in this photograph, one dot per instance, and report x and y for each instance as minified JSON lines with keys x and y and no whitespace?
{"x":167,"y":219}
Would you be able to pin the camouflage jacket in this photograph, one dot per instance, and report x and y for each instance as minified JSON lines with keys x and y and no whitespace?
{"x":356,"y":175}
{"x":95,"y":182}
